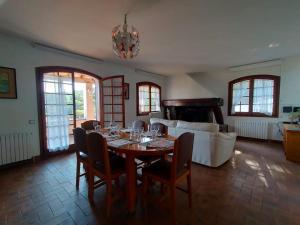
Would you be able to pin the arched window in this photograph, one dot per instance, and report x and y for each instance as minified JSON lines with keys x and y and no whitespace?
{"x":256,"y":95}
{"x":148,"y":96}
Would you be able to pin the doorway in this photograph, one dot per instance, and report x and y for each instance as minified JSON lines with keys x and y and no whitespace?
{"x":68,"y":97}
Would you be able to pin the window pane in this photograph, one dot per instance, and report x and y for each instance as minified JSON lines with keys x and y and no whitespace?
{"x":240,"y":96}
{"x":263,"y":97}
{"x":144,"y":98}
{"x":155,"y":99}
{"x":244,"y":108}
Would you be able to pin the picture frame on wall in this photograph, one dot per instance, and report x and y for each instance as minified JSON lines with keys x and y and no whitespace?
{"x":126,"y":90}
{"x":8,"y":84}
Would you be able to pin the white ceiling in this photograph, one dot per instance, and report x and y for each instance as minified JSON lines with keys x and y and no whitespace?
{"x":177,"y":36}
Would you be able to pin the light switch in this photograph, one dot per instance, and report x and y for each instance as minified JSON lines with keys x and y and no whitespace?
{"x":31,"y":121}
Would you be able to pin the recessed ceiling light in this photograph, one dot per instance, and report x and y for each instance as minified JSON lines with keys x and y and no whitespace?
{"x":273,"y":45}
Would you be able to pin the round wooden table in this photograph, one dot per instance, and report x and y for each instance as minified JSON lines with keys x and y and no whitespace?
{"x":131,"y":151}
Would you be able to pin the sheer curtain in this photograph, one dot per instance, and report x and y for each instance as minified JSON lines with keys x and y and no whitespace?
{"x":263,"y":96}
{"x":58,"y":107}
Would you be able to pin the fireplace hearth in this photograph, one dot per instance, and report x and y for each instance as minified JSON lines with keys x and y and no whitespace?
{"x":194,"y":110}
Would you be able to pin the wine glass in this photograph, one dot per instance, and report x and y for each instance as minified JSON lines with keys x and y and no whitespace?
{"x":153,"y":133}
{"x":95,"y":124}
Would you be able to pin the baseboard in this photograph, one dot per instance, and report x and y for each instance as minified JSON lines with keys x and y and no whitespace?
{"x":17,"y":164}
{"x":258,"y":139}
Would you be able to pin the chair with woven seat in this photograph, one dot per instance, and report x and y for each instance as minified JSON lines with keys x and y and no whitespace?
{"x":170,"y":172}
{"x":81,"y":152}
{"x":89,"y":124}
{"x":108,"y":167}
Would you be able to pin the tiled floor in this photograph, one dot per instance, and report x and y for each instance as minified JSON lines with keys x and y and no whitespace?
{"x":258,"y":186}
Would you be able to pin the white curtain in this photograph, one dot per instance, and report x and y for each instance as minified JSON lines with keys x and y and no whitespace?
{"x":57,"y":92}
{"x":263,"y":96}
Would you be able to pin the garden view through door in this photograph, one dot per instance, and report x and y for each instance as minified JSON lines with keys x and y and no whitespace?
{"x":87,"y":103}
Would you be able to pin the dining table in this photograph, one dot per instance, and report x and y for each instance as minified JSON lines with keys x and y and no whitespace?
{"x":133,"y":149}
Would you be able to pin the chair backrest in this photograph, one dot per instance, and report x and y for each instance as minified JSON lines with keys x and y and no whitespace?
{"x":80,"y":140}
{"x":163,"y":129}
{"x":89,"y":124}
{"x":98,"y":151}
{"x":183,"y":151}
{"x":138,"y":124}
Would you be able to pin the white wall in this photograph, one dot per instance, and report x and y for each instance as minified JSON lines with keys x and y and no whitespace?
{"x":19,"y":54}
{"x":215,"y":84}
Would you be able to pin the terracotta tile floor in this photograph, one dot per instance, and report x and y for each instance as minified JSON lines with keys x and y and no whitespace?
{"x":257,"y":186}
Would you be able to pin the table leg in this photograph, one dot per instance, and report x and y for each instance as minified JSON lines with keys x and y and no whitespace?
{"x":131,"y":184}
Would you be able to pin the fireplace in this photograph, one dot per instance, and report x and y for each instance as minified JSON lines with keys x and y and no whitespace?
{"x":194,"y":110}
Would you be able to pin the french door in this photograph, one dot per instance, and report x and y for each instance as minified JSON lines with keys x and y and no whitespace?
{"x":113,"y":108}
{"x":67,"y":97}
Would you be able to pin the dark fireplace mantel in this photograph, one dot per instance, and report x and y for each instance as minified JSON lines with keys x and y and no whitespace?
{"x":194,"y":110}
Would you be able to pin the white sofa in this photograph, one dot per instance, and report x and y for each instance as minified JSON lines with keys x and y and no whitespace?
{"x":211,"y":147}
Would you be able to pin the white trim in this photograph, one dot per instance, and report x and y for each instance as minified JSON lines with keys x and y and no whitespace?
{"x":270,"y":63}
{"x":64,"y":52}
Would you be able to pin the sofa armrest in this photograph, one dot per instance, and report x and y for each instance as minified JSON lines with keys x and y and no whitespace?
{"x":224,"y":148}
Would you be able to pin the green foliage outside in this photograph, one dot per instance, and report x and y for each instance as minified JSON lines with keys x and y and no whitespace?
{"x":79,"y":101}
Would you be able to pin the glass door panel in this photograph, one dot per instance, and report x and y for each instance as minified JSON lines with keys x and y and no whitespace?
{"x":113,"y":109}
{"x":58,"y":108}
{"x":87,"y":101}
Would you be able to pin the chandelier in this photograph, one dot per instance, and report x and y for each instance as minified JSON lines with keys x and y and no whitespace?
{"x":125,"y":43}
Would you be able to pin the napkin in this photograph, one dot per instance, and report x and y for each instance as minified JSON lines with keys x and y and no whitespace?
{"x":119,"y":143}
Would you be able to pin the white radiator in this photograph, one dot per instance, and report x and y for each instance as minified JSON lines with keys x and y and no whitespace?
{"x":252,"y":129}
{"x":15,"y":147}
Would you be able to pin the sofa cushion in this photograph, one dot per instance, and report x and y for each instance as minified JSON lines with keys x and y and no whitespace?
{"x":168,"y":123}
{"x":227,"y":135}
{"x":210,"y":127}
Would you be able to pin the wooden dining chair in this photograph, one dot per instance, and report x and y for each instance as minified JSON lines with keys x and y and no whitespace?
{"x":170,"y":172}
{"x":138,"y":124}
{"x":108,"y":167}
{"x":147,"y":160}
{"x":81,"y":153}
{"x":163,"y":129}
{"x":89,"y":124}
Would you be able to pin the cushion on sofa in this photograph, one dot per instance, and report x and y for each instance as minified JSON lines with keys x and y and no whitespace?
{"x":210,"y":127}
{"x":227,"y":135}
{"x":168,"y":123}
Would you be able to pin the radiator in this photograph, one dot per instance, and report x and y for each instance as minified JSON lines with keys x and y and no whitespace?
{"x":252,"y":129}
{"x":15,"y":147}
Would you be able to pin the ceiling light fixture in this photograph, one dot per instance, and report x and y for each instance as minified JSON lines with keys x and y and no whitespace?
{"x":273,"y":45}
{"x":125,"y":43}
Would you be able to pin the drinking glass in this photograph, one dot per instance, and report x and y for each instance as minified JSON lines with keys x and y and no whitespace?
{"x":154,"y":133}
{"x":97,"y":128}
{"x":95,"y":124}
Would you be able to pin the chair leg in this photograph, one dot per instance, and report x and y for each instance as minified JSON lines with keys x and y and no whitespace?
{"x":91,"y":186}
{"x":117,"y":182}
{"x":189,"y":183}
{"x":173,"y":203}
{"x":77,"y":174}
{"x":108,"y":197}
{"x":86,"y":171}
{"x":162,"y":188}
{"x":145,"y":190}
